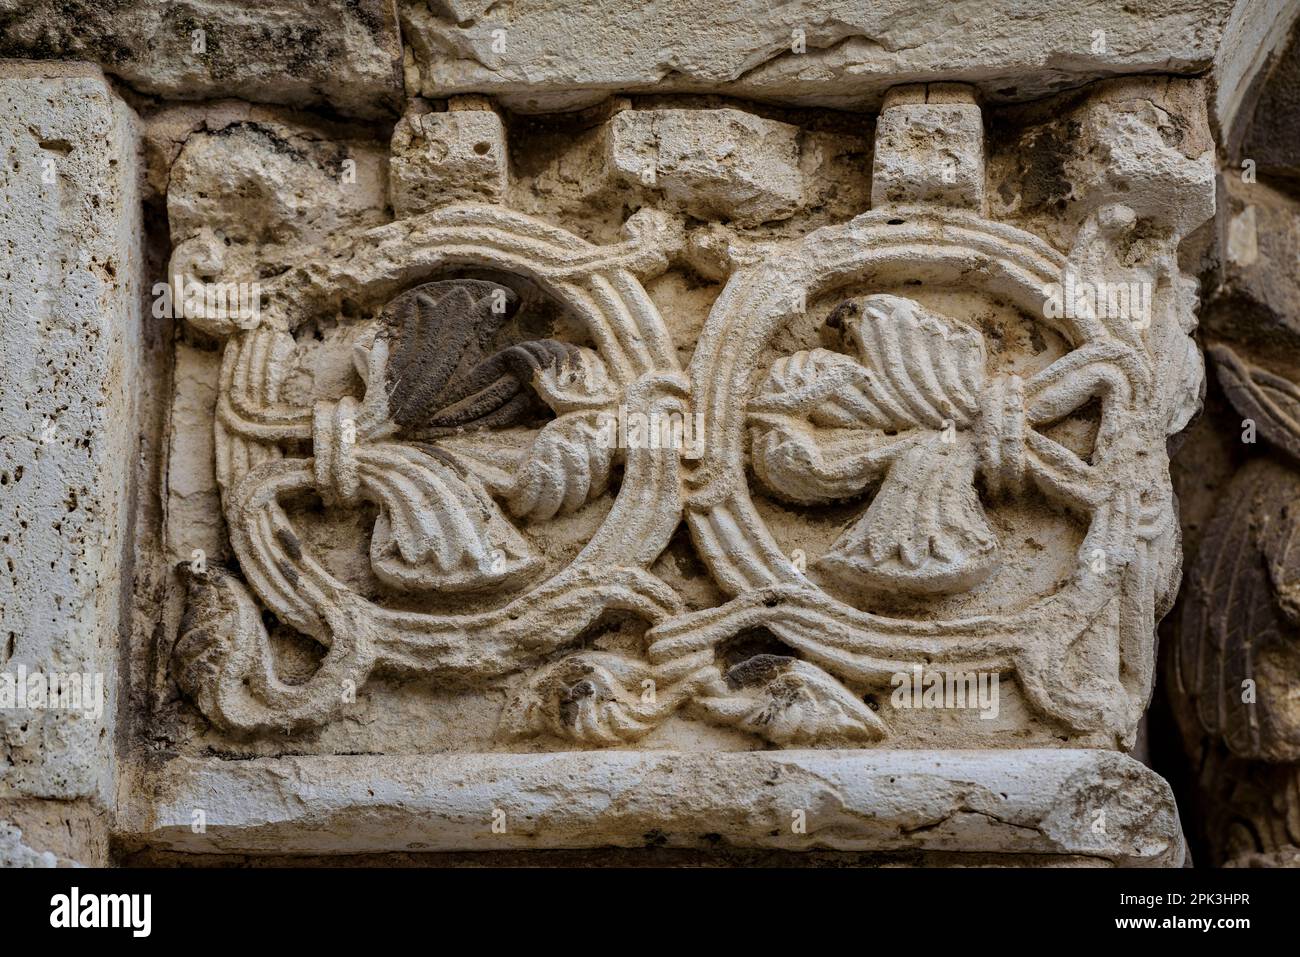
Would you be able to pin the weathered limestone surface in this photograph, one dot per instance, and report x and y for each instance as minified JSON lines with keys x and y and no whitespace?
{"x":439,"y":158}
{"x":1029,"y":802}
{"x":713,"y":164}
{"x":70,"y":305}
{"x":1233,"y":676}
{"x":541,"y":55}
{"x":258,"y":187}
{"x":14,"y":853}
{"x":942,"y":125}
{"x":706,"y":426}
{"x":346,"y":55}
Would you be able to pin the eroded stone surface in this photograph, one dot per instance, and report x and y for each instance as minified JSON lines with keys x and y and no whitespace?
{"x":68,"y":432}
{"x":541,"y":55}
{"x":1232,"y":674}
{"x":67,"y":416}
{"x":1029,"y":802}
{"x":344,"y":54}
{"x":14,"y":853}
{"x":929,"y":147}
{"x":441,"y":158}
{"x":712,"y":164}
{"x":246,"y":195}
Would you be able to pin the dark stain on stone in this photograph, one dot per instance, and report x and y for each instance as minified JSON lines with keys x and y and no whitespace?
{"x":443,"y":378}
{"x":289,"y":572}
{"x":1040,"y":157}
{"x":758,"y":670}
{"x":749,"y":643}
{"x":289,"y":543}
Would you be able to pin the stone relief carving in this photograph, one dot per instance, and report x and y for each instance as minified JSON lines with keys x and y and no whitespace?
{"x":1236,"y":652}
{"x":1232,"y":667}
{"x":951,"y":448}
{"x":918,"y":414}
{"x":386,"y":550}
{"x":414,"y":444}
{"x":1240,"y":613}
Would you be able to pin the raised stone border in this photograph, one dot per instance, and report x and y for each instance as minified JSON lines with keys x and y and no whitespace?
{"x":1100,"y":805}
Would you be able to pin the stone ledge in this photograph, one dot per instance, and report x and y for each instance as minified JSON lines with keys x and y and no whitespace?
{"x":1101,"y":805}
{"x":539,"y":55}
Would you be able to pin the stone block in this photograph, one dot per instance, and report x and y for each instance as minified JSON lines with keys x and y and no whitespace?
{"x":543,"y":55}
{"x":69,"y":359}
{"x":346,"y":55}
{"x":710,"y":163}
{"x":1042,"y":802}
{"x":929,"y":147}
{"x":441,"y":158}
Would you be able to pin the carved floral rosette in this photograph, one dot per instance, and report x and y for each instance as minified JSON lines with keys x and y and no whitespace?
{"x":406,"y":446}
{"x":920,"y":376}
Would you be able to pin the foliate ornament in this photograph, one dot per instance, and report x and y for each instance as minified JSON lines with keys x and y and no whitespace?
{"x":1237,"y":658}
{"x":421,"y":445}
{"x":912,"y":421}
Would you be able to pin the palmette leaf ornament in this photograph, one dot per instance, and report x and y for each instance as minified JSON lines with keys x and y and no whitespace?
{"x":430,"y":376}
{"x":463,"y":417}
{"x":593,"y":699}
{"x":789,"y":703}
{"x":1238,"y":646}
{"x":570,"y":458}
{"x":599,"y":699}
{"x":919,"y":414}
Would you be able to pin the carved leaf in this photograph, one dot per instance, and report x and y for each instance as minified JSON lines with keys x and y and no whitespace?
{"x":438,"y":330}
{"x":440,"y":378}
{"x":924,"y":531}
{"x":578,"y":382}
{"x":217,"y":607}
{"x":1238,"y":653}
{"x":789,"y":702}
{"x":567,"y":465}
{"x":925,"y":369}
{"x":1270,"y":400}
{"x":824,"y":387}
{"x":813,"y":467}
{"x":593,"y":698}
{"x":437,"y":526}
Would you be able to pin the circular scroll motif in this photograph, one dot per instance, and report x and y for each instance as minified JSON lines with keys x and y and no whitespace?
{"x":1115,"y":490}
{"x":377,"y":448}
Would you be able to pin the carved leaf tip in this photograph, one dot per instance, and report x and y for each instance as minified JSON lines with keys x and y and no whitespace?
{"x":790,"y":702}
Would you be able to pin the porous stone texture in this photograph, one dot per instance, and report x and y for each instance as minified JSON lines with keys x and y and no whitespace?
{"x":1098,"y":807}
{"x":260,"y":189}
{"x":54,"y":833}
{"x":739,"y":430}
{"x":68,"y":432}
{"x":14,"y":853}
{"x":346,"y":55}
{"x":711,"y":164}
{"x":543,"y":55}
{"x":439,"y":158}
{"x":940,"y":124}
{"x":1232,"y":678}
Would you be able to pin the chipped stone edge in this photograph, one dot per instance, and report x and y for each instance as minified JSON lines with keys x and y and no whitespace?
{"x":1101,"y":805}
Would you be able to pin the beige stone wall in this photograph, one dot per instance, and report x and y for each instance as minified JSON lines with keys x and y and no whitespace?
{"x":550,"y":427}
